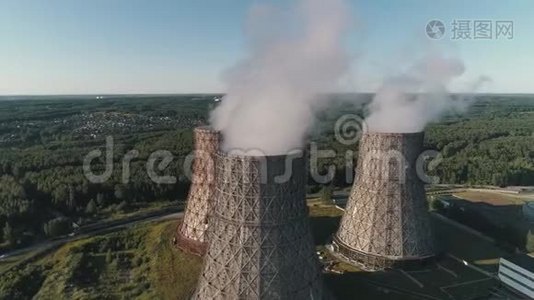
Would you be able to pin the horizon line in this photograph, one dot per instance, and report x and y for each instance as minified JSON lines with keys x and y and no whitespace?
{"x":216,"y":93}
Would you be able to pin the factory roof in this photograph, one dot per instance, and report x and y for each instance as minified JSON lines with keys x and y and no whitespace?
{"x":522,"y":260}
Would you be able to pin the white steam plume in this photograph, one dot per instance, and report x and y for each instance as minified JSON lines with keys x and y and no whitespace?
{"x":408,"y":102}
{"x":293,"y":58}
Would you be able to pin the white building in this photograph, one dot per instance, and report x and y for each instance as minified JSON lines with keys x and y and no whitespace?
{"x":517,"y":273}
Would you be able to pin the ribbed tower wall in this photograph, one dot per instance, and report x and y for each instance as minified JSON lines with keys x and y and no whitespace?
{"x":191,"y":235}
{"x":386,"y":221}
{"x":261,"y":245}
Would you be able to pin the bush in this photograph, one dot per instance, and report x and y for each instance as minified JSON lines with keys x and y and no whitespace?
{"x":530,"y":241}
{"x":327,"y":193}
{"x":138,"y":261}
{"x":312,"y":189}
{"x":8,"y":235}
{"x":56,"y":227}
{"x":121,"y":206}
{"x":109,"y":257}
{"x":436,"y":204}
{"x":90,"y":209}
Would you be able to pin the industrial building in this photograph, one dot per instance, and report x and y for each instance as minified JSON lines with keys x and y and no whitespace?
{"x":517,"y":273}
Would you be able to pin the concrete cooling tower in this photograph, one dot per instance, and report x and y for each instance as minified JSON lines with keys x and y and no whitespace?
{"x":386,"y":221}
{"x":191,"y":235}
{"x":261,"y":245}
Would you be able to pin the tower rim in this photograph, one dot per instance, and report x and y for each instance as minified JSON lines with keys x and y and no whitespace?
{"x":393,"y":134}
{"x":206,"y":129}
{"x":230,"y":155}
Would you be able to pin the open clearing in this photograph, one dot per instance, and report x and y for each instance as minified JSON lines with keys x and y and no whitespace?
{"x":493,"y":197}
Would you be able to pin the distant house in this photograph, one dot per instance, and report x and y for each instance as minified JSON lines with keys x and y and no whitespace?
{"x":517,"y":273}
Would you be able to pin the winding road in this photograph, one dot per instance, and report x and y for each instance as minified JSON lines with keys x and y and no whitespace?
{"x":95,"y":229}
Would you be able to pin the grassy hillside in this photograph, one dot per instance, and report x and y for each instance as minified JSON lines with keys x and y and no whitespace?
{"x":136,"y":263}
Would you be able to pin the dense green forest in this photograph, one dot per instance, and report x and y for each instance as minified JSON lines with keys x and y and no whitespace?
{"x":43,"y":190}
{"x":490,"y":144}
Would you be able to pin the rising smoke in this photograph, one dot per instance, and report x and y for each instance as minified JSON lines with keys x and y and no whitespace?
{"x":294,"y":57}
{"x":409,"y":101}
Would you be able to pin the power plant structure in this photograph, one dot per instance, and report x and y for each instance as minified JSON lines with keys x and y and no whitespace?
{"x":191,"y":235}
{"x":386,"y":222}
{"x":260,"y":242}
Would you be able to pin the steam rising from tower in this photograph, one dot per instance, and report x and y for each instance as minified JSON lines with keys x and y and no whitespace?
{"x":386,"y":222}
{"x":260,"y":241}
{"x":295,"y":54}
{"x":191,"y":234}
{"x":409,"y":101}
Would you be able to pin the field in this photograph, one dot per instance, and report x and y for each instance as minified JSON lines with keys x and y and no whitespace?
{"x":494,"y":197}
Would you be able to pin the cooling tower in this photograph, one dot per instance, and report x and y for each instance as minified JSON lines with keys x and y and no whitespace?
{"x":260,"y":243}
{"x":386,"y":221}
{"x":191,"y":233}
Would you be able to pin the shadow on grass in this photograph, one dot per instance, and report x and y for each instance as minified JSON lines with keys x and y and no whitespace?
{"x":365,"y":285}
{"x":323,"y":228}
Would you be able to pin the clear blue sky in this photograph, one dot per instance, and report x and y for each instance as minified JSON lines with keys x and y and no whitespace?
{"x":177,"y":46}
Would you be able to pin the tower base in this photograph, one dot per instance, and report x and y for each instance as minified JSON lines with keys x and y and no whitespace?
{"x":372,"y":262}
{"x":188,"y":245}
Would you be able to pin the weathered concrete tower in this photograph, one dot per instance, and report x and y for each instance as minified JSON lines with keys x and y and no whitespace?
{"x":191,"y":235}
{"x":261,"y":245}
{"x":386,"y":221}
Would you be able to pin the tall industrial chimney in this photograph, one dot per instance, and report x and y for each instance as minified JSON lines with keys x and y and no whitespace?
{"x":386,"y":221}
{"x":191,"y":235}
{"x":260,"y":243}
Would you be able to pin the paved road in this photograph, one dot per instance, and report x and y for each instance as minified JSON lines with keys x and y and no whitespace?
{"x":94,"y":230}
